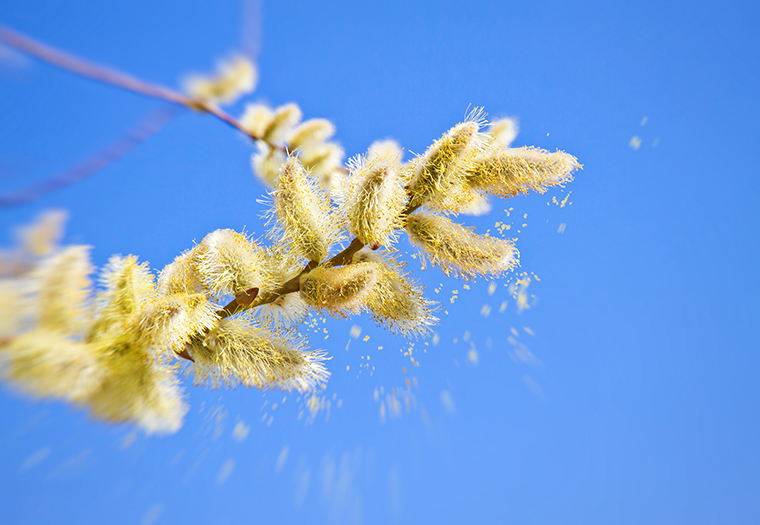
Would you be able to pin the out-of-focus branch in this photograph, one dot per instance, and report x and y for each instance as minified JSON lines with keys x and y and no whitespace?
{"x":114,"y":77}
{"x":146,"y":128}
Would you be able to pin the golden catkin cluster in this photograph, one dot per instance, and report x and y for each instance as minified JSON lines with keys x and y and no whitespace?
{"x":114,"y":351}
{"x":280,"y":131}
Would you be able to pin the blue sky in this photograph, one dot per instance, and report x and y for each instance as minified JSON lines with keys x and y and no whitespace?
{"x":640,"y":401}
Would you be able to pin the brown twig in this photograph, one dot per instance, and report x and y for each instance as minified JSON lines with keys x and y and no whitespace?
{"x":145,"y":129}
{"x":116,"y":78}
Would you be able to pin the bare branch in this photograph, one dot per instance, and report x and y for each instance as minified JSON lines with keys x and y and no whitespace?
{"x":143,"y":130}
{"x":116,"y":78}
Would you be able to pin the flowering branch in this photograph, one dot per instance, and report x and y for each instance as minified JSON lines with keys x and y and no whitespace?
{"x":112,"y":350}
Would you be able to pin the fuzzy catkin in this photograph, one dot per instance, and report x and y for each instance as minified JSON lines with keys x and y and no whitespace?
{"x":281,"y":124}
{"x":302,"y":212}
{"x":458,"y":250}
{"x":375,"y":198}
{"x":182,"y":275}
{"x":136,"y":385}
{"x":61,"y":286}
{"x":398,"y":303}
{"x":229,"y":262}
{"x":341,"y":290}
{"x":170,"y":322}
{"x":233,"y":78}
{"x":47,"y":363}
{"x":510,"y":172}
{"x":238,"y":353}
{"x":312,"y":131}
{"x":437,"y":171}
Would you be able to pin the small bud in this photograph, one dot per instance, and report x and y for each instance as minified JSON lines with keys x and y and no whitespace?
{"x":503,"y":132}
{"x":457,"y":249}
{"x":234,"y":78}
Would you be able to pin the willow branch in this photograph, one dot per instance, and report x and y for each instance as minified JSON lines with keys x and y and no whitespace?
{"x":293,"y":285}
{"x":146,"y":128}
{"x":116,"y":78}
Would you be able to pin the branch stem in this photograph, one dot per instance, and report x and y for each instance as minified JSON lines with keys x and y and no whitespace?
{"x":116,"y":78}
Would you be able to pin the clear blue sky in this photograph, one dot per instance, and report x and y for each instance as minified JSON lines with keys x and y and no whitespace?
{"x":640,"y":403}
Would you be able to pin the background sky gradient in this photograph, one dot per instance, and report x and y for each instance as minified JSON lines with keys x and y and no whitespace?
{"x":631,"y":397}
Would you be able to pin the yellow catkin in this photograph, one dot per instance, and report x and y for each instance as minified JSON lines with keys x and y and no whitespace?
{"x":503,"y":132}
{"x":229,"y":262}
{"x":233,"y":78}
{"x":324,"y":161}
{"x":256,"y":118}
{"x":312,"y":131}
{"x":61,"y":287}
{"x":267,"y":163}
{"x":436,"y":172}
{"x":374,"y":200}
{"x":302,"y":212}
{"x":182,"y":276}
{"x":170,"y":322}
{"x":286,"y":310}
{"x":46,"y":363}
{"x":458,"y":250}
{"x":510,"y":172}
{"x":128,"y":285}
{"x":239,"y":353}
{"x":281,"y":124}
{"x":137,"y":385}
{"x":397,"y":302}
{"x":342,"y":290}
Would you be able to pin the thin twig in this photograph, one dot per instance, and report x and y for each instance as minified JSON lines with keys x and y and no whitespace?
{"x":145,"y":129}
{"x":116,"y":78}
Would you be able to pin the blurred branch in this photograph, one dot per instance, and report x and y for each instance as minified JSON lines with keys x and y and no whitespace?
{"x":116,"y":78}
{"x":250,"y":39}
{"x":145,"y":129}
